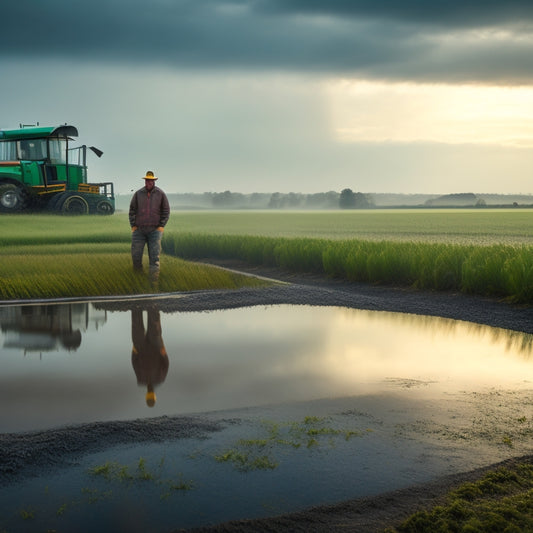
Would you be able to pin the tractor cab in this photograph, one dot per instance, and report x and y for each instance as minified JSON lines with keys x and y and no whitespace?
{"x":40,"y":162}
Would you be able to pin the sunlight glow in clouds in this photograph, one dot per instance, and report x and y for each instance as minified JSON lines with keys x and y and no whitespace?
{"x":365,"y":111}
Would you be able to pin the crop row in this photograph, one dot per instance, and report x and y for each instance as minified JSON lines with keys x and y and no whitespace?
{"x":478,"y":227}
{"x":496,"y":270}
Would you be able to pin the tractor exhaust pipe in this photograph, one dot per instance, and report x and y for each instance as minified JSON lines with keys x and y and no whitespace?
{"x":96,"y":151}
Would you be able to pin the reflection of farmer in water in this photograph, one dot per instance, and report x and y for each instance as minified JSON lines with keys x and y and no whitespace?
{"x":148,"y":355}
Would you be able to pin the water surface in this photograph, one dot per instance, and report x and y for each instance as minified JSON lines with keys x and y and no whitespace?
{"x":395,"y":399}
{"x":75,"y":363}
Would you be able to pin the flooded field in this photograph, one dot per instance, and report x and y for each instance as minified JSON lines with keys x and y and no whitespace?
{"x":74,"y":363}
{"x":311,"y":405}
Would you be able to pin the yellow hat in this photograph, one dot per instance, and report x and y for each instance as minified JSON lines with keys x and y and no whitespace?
{"x":150,"y":399}
{"x":149,"y":175}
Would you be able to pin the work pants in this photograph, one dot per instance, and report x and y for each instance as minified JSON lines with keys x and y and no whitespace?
{"x":152,"y":238}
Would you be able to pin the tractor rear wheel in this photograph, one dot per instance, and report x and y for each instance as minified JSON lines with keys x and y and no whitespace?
{"x":12,"y":198}
{"x":75,"y":205}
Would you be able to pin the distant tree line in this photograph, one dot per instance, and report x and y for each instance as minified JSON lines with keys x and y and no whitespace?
{"x":346,"y":199}
{"x":354,"y":200}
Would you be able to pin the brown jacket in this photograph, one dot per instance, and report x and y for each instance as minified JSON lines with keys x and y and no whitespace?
{"x":149,"y":210}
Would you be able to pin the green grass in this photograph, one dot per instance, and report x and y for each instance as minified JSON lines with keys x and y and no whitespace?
{"x":453,"y":226}
{"x":502,"y":501}
{"x":478,"y":251}
{"x":60,"y":271}
{"x":262,"y":453}
{"x":53,"y":256}
{"x":117,"y":473}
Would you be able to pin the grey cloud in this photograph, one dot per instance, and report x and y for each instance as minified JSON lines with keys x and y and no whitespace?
{"x":455,"y":13}
{"x":380,"y":39}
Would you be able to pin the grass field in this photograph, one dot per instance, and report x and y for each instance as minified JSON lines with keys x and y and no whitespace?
{"x":479,"y":251}
{"x":452,"y":226}
{"x":47,"y":256}
{"x":485,"y":252}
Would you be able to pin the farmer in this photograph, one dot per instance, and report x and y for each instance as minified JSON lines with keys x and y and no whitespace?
{"x":149,"y":212}
{"x":148,"y":355}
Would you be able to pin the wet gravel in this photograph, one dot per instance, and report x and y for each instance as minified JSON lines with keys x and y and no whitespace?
{"x":302,"y":289}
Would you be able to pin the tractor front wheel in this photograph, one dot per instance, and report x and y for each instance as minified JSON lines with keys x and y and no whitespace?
{"x":12,"y":198}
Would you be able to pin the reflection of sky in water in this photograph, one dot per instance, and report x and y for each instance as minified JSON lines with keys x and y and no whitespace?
{"x":239,"y":358}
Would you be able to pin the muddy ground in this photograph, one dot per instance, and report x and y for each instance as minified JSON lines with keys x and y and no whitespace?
{"x":22,"y":453}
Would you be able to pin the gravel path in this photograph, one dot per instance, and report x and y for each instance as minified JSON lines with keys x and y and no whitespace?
{"x":316,"y":290}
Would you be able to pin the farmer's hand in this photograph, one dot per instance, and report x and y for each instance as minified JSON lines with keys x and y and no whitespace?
{"x":161,"y":229}
{"x":133,"y":228}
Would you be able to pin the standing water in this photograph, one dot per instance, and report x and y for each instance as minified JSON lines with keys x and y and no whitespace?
{"x":313,"y":394}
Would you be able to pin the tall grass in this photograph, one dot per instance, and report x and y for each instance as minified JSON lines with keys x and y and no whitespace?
{"x":497,"y":270}
{"x":92,"y":273}
{"x":485,"y":252}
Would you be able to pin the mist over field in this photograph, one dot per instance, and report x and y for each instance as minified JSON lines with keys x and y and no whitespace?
{"x":332,"y":200}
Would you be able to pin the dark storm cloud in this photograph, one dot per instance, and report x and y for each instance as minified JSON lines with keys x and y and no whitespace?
{"x":381,"y":39}
{"x":451,"y":13}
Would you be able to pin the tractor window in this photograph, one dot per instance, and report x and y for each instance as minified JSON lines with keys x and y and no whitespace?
{"x":57,"y":149}
{"x":8,"y":151}
{"x":32,"y":150}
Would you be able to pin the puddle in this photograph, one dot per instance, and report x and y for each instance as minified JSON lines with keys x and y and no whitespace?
{"x":316,"y":405}
{"x":76,"y":363}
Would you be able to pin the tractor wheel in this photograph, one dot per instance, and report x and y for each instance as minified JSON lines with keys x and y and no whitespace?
{"x":12,"y":198}
{"x":75,"y":205}
{"x":55,"y":202}
{"x":104,"y":207}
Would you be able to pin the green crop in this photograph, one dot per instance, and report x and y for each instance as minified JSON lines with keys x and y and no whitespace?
{"x":497,"y":270}
{"x":486,"y":252}
{"x":453,"y":226}
{"x":45,"y":256}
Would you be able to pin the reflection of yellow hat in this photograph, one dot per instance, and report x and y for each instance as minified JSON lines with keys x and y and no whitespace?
{"x":149,"y":175}
{"x":150,"y":399}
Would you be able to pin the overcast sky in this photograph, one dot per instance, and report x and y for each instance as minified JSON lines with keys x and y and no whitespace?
{"x":281,"y":95}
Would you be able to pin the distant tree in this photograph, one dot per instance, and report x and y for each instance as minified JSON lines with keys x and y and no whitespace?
{"x":332,"y":199}
{"x":362,"y":201}
{"x":463,"y":199}
{"x":291,"y":200}
{"x":228,"y":199}
{"x":259,"y":200}
{"x":347,"y":199}
{"x":294,"y":200}
{"x":322,"y":200}
{"x":221,"y":199}
{"x":275,"y":201}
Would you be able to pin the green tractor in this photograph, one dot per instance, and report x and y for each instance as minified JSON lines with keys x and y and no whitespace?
{"x":40,"y":171}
